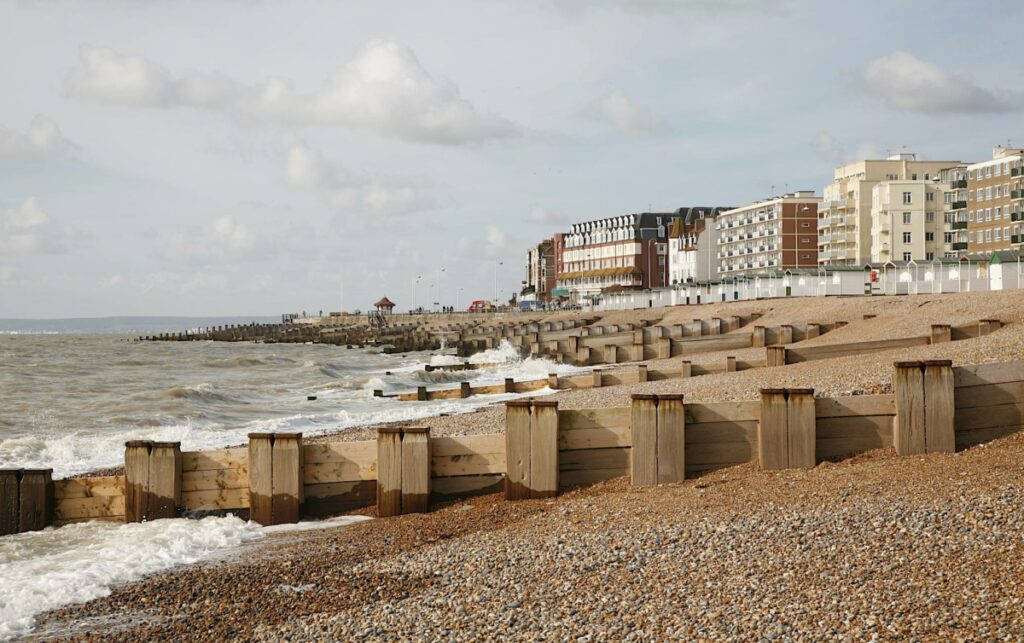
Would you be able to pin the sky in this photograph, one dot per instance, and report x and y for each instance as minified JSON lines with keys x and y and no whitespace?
{"x":255,"y":157}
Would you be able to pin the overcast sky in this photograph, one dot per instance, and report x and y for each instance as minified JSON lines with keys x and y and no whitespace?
{"x":195,"y":157}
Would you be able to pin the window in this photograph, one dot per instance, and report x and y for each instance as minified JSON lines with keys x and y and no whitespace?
{"x":906,"y":197}
{"x":1006,"y":232}
{"x":998,"y":213}
{"x":999,"y":235}
{"x":913,"y":177}
{"x":988,"y":193}
{"x":906,"y":237}
{"x":906,"y":256}
{"x":981,"y":195}
{"x":929,"y":217}
{"x":947,"y":237}
{"x":929,"y":236}
{"x":906,"y":218}
{"x":999,"y":191}
{"x":929,"y":256}
{"x":805,"y":240}
{"x":929,"y":196}
{"x":988,"y":236}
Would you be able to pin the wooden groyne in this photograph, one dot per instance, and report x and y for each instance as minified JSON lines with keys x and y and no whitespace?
{"x":934,"y":408}
{"x":776,"y":354}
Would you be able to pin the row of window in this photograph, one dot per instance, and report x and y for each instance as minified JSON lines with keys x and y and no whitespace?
{"x":996,"y":192}
{"x":998,"y":169}
{"x":990,"y":214}
{"x":995,"y":235}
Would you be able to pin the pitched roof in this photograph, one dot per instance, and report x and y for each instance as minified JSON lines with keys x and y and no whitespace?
{"x":384,"y":303}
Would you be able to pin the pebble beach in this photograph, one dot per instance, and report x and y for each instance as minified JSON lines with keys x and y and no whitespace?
{"x":871,"y":547}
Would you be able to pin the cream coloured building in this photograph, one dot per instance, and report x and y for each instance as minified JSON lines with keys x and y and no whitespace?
{"x":845,"y":223}
{"x":907,"y":221}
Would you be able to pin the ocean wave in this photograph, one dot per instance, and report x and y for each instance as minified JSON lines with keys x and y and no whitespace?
{"x":48,"y":569}
{"x":247,"y":361}
{"x":203,"y":392}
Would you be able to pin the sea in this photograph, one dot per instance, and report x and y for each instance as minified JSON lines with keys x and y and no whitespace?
{"x":72,"y":392}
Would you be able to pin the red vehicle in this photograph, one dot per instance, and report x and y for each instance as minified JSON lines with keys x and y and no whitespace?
{"x":480,"y":306}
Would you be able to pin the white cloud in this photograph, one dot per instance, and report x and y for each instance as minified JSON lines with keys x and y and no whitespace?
{"x":43,"y":138}
{"x":306,"y":169}
{"x":907,"y":83}
{"x":111,"y":282}
{"x":672,"y":6}
{"x":627,"y":116}
{"x":495,"y":238}
{"x":541,"y":215}
{"x":224,"y":240}
{"x":383,"y":88}
{"x":27,"y":230}
{"x":829,"y":148}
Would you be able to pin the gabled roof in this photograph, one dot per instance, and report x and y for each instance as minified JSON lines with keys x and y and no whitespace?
{"x":384,"y":303}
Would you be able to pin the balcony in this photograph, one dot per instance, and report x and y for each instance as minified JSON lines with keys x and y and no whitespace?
{"x":1016,"y":171}
{"x":824,"y":238}
{"x":958,"y":225}
{"x":960,"y":245}
{"x":1015,"y":238}
{"x":958,"y":184}
{"x":1017,"y":194}
{"x":958,"y":205}
{"x":1017,"y":216}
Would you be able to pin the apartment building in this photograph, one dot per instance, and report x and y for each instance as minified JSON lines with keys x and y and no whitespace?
{"x":995,"y":201}
{"x":773,"y":234}
{"x":954,"y":214}
{"x":907,"y":220}
{"x":540,"y":272}
{"x":844,"y":225}
{"x":693,"y":246}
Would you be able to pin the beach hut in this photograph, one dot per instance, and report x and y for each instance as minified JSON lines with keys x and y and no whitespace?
{"x":385,"y":306}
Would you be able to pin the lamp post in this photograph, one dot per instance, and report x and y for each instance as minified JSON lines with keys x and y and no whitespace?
{"x":412,"y":298}
{"x":496,"y":264}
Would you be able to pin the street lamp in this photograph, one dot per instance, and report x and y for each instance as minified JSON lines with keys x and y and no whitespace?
{"x":496,"y":264}
{"x":412,"y":298}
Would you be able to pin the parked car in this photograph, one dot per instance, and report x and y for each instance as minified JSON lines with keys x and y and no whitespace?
{"x":480,"y":306}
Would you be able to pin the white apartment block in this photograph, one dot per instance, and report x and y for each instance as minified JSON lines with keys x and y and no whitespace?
{"x":774,"y":234}
{"x":907,"y":221}
{"x":845,"y":222}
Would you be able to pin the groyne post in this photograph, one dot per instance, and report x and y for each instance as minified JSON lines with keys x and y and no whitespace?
{"x":657,"y":430}
{"x":786,"y":431}
{"x":531,"y":449}
{"x":275,"y":478}
{"x":152,"y":480}
{"x":924,"y":407}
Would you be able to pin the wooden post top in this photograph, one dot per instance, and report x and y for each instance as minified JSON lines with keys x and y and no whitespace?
{"x":545,"y":403}
{"x":911,"y":364}
{"x":389,"y":429}
{"x":31,"y":472}
{"x":938,"y":362}
{"x":787,"y":391}
{"x":416,"y":429}
{"x":130,"y":444}
{"x":272,"y":436}
{"x":671,"y":396}
{"x":166,"y":445}
{"x":644,"y":396}
{"x":517,"y":403}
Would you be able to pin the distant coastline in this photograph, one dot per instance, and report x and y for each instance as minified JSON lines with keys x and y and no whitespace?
{"x":124,"y":324}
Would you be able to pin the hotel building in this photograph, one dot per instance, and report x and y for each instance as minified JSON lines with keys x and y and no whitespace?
{"x":540,"y":272}
{"x":774,"y":234}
